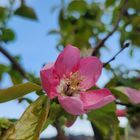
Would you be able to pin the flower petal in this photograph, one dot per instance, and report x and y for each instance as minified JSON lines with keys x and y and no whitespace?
{"x":72,"y":105}
{"x":95,"y":99}
{"x":67,"y":61}
{"x":49,"y":80}
{"x":121,"y":112}
{"x":90,"y":69}
{"x":133,"y":94}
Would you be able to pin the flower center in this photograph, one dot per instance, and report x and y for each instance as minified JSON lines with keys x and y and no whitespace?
{"x":70,"y":86}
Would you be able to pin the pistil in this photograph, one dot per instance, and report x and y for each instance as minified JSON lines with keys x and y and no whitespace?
{"x":70,"y":86}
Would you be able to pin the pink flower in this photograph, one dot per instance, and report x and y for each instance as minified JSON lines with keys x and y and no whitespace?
{"x":69,"y":79}
{"x":121,"y":112}
{"x":133,"y":94}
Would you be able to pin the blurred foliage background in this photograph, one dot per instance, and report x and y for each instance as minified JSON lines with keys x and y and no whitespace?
{"x":86,"y":24}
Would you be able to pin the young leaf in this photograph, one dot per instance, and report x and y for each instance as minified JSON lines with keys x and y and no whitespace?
{"x":3,"y":69}
{"x":31,"y":122}
{"x":8,"y":35}
{"x":16,"y":77}
{"x":77,"y":6}
{"x":27,"y":12}
{"x":17,"y":91}
{"x":4,"y":125}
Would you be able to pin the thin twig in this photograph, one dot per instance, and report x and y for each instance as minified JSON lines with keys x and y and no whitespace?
{"x":113,"y":58}
{"x":15,"y":64}
{"x":123,"y":104}
{"x":101,"y":43}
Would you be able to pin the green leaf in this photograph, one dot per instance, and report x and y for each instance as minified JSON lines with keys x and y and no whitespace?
{"x":55,"y":111}
{"x":27,"y":12}
{"x":16,"y":77}
{"x":4,"y":125}
{"x":2,"y":13}
{"x":3,"y":69}
{"x":17,"y":91}
{"x":109,"y":3}
{"x":120,"y":81}
{"x":31,"y":122}
{"x":134,"y":4}
{"x":136,"y":20}
{"x":77,"y":6}
{"x":8,"y":35}
{"x":131,"y":52}
{"x":58,"y":115}
{"x":104,"y":118}
{"x":52,"y":32}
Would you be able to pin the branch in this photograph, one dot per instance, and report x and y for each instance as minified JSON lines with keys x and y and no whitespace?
{"x":15,"y":64}
{"x":101,"y":43}
{"x":113,"y":58}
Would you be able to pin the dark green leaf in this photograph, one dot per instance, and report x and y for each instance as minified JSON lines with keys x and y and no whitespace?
{"x":27,"y":12}
{"x":2,"y":13}
{"x":134,"y":4}
{"x":8,"y":35}
{"x":105,"y":118}
{"x":52,"y":32}
{"x":109,"y":3}
{"x":136,"y":20}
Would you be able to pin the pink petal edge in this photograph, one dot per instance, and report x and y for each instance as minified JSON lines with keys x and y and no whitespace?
{"x":68,"y":60}
{"x":133,"y":94}
{"x":49,"y":80}
{"x":95,"y":99}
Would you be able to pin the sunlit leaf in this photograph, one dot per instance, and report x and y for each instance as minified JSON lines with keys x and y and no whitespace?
{"x":31,"y":122}
{"x":77,"y":6}
{"x":4,"y":125}
{"x":17,"y":91}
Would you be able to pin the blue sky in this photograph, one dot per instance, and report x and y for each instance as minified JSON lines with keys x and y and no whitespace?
{"x":37,"y":48}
